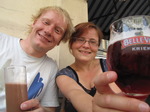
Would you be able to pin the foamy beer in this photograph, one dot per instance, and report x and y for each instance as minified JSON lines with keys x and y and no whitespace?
{"x":129,"y":54}
{"x":16,"y":87}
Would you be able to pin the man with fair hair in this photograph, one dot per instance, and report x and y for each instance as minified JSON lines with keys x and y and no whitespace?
{"x":50,"y":26}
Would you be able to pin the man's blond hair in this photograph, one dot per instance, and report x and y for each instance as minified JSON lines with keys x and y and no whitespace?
{"x":64,"y":13}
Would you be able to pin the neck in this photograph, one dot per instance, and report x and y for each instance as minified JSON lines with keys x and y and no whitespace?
{"x":78,"y":65}
{"x":87,"y":72}
{"x":27,"y":47}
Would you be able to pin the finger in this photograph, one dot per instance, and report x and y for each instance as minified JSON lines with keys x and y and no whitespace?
{"x":30,"y":104}
{"x":116,"y":102}
{"x":100,"y":109}
{"x":103,"y":80}
{"x":36,"y":110}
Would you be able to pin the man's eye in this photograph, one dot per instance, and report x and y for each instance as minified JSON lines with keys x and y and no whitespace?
{"x":46,"y":22}
{"x":58,"y":31}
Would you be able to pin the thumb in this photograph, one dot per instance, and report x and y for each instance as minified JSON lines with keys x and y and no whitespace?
{"x":103,"y":80}
{"x":30,"y":104}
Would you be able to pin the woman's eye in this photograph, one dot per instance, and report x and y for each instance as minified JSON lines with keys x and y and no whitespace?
{"x":81,"y":40}
{"x":93,"y":42}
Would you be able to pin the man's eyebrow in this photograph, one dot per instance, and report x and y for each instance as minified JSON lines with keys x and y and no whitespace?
{"x":56,"y":25}
{"x":61,"y":28}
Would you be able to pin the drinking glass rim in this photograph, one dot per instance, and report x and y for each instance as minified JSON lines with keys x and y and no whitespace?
{"x":127,"y":17}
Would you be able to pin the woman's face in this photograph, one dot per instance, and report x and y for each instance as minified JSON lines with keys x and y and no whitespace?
{"x":86,"y":46}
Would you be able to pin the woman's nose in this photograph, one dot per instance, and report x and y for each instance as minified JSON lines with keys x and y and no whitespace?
{"x":86,"y":44}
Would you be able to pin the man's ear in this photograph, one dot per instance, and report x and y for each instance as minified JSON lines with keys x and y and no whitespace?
{"x":32,"y":25}
{"x":34,"y":22}
{"x":60,"y":40}
{"x":58,"y":43}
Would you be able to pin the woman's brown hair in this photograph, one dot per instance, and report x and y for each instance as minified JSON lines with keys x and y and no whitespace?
{"x":81,"y":28}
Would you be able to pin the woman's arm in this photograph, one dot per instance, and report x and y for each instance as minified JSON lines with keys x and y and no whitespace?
{"x":74,"y":93}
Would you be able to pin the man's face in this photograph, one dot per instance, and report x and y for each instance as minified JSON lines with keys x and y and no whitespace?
{"x":47,"y":31}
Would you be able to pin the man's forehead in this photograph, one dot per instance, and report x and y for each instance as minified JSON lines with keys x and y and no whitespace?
{"x":55,"y":16}
{"x":52,"y":14}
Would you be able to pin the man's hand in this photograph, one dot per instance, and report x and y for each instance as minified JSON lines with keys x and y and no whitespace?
{"x":33,"y":105}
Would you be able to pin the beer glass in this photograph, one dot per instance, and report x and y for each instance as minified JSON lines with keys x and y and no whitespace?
{"x":15,"y":86}
{"x":129,"y":54}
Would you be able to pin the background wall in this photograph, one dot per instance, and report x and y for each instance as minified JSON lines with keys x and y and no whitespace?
{"x":78,"y":12}
{"x":16,"y":16}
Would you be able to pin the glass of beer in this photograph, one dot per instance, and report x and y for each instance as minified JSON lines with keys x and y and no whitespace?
{"x":16,"y":87}
{"x":129,"y":54}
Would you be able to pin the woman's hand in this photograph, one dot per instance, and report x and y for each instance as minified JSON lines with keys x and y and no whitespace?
{"x":33,"y":105}
{"x":106,"y":100}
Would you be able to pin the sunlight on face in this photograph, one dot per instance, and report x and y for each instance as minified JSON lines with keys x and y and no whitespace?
{"x":48,"y":30}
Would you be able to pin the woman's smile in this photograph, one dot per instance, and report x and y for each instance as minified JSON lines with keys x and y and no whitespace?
{"x":84,"y":52}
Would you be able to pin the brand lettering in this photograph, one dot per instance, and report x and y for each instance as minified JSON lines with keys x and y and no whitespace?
{"x":140,"y":48}
{"x":135,"y":41}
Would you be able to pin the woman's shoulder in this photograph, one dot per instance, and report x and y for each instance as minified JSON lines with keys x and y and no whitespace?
{"x":65,"y":71}
{"x":68,"y":71}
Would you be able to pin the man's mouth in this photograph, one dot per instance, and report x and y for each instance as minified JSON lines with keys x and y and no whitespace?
{"x":44,"y":38}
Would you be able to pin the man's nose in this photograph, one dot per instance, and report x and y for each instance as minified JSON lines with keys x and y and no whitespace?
{"x":48,"y":30}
